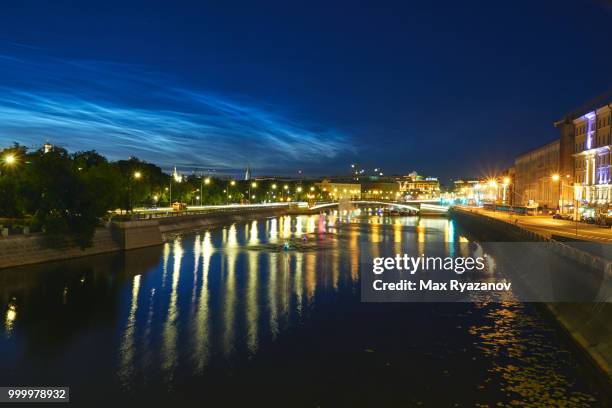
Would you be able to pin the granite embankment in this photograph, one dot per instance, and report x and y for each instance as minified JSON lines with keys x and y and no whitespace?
{"x":587,"y":324}
{"x":21,"y":250}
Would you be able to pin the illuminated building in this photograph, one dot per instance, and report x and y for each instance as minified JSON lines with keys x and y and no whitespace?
{"x":466,"y":191}
{"x":592,"y":143}
{"x":534,"y":184}
{"x":416,"y":187}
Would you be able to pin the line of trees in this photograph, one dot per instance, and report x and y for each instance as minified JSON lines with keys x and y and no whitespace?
{"x":67,"y":195}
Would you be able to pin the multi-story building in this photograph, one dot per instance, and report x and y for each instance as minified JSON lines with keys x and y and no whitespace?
{"x":537,"y":177}
{"x":416,"y":187}
{"x":465,"y":191}
{"x":592,"y":144}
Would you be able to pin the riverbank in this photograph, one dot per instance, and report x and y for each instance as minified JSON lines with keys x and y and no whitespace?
{"x":22,"y":250}
{"x":587,"y":324}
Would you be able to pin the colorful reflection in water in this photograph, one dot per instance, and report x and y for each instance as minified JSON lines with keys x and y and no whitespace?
{"x":228,"y":310}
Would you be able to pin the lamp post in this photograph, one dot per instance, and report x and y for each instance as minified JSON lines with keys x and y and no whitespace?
{"x":557,"y":179}
{"x":227,"y":194}
{"x":137,"y":175}
{"x":254,"y":185}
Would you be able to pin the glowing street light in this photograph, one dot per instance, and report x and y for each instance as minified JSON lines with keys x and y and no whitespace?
{"x":233,"y":183}
{"x":207,"y":180}
{"x":507,"y":180}
{"x":286,"y":187}
{"x":137,"y":175}
{"x":555,"y":177}
{"x":299,"y":189}
{"x":10,"y":159}
{"x":273,"y":186}
{"x":254,"y":184}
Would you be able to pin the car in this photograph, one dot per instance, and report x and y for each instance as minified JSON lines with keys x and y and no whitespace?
{"x":589,"y":220}
{"x":179,"y":206}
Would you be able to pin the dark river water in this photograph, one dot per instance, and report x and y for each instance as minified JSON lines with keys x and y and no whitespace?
{"x":226,"y":317}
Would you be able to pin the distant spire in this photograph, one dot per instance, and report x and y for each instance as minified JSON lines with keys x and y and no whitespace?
{"x":247,"y":174}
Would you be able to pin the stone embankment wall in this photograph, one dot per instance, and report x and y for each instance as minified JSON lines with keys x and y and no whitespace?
{"x":21,"y":250}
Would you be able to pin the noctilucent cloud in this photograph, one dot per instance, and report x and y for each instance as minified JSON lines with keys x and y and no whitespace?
{"x":447,"y":88}
{"x":75,"y":104}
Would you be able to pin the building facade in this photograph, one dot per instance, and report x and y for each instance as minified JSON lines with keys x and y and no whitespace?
{"x":416,"y":187}
{"x":536,"y":177}
{"x":592,"y":144}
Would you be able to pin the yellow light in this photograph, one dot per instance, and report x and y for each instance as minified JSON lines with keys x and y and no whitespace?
{"x":555,"y":177}
{"x":253,"y":184}
{"x":299,"y":189}
{"x":506,"y":180}
{"x":286,"y":187}
{"x":155,"y":197}
{"x":137,"y":175}
{"x":207,"y":180}
{"x":233,"y":183}
{"x":492,"y":183}
{"x":10,"y":159}
{"x":273,"y":186}
{"x":311,"y":188}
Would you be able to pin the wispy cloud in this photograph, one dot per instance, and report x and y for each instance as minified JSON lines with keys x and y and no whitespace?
{"x":124,"y":110}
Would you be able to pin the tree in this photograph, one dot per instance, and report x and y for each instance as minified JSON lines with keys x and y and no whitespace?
{"x":66,"y":199}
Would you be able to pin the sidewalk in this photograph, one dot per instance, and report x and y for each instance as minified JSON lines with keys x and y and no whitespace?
{"x":548,"y":226}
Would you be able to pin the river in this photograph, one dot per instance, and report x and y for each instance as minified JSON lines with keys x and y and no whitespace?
{"x":226,"y":316}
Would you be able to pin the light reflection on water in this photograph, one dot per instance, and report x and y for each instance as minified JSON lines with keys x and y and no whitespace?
{"x":217,"y":297}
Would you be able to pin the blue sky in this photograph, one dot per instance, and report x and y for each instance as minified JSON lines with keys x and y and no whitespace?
{"x":445,"y":88}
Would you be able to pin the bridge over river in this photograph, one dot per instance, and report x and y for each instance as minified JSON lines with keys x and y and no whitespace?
{"x":423,"y":207}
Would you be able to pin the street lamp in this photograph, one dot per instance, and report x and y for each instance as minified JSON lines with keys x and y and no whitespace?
{"x":505,"y":185}
{"x":252,"y":185}
{"x":557,"y":178}
{"x":10,"y":159}
{"x":135,"y":176}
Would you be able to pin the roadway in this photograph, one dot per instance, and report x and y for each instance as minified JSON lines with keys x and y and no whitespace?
{"x":546,"y":225}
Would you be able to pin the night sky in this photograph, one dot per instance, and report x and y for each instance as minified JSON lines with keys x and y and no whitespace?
{"x":448,"y":89}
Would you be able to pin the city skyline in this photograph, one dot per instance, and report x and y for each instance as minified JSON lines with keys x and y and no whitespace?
{"x":172,"y":88}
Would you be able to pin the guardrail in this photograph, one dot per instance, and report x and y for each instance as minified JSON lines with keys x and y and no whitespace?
{"x":153,"y":213}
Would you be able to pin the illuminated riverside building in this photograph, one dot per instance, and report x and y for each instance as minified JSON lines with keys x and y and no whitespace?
{"x":592,"y":143}
{"x":536,"y":172}
{"x":465,"y":191}
{"x":416,"y":187}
